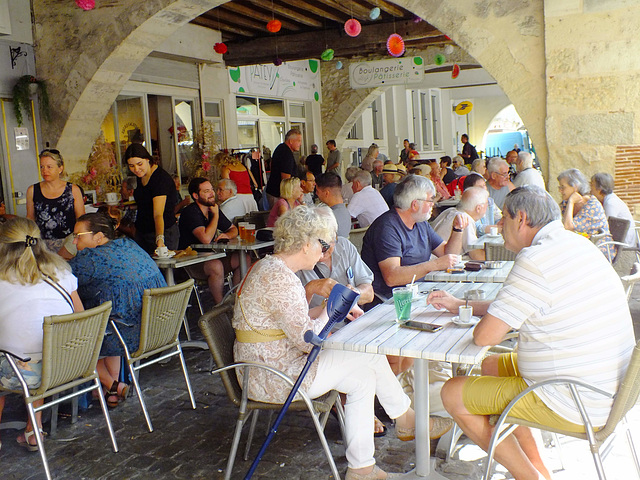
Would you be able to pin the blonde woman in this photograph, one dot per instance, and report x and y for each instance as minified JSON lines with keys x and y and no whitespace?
{"x":290,"y":197}
{"x":233,"y":169}
{"x":372,"y":154}
{"x":34,"y":283}
{"x":53,"y":203}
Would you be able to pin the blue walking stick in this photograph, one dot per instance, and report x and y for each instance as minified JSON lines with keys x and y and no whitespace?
{"x":341,"y":301}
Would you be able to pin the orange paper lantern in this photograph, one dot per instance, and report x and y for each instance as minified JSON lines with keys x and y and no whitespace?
{"x":395,"y":45}
{"x":274,"y":26}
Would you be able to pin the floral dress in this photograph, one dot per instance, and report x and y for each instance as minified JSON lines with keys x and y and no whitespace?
{"x":592,"y":220}
{"x":119,"y":271}
{"x":55,"y":217}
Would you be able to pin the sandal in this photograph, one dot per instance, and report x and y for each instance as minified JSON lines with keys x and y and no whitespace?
{"x":25,"y":443}
{"x":111,"y":396}
{"x":378,"y":425}
{"x":375,"y":474}
{"x":438,"y":427}
{"x":124,"y":393}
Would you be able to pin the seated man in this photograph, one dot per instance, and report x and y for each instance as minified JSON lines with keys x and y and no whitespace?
{"x":329,"y":191}
{"x":473,"y":205}
{"x":571,"y":311}
{"x":399,"y":244}
{"x":492,"y":214}
{"x":308,"y":186}
{"x":230,"y":204}
{"x":498,"y":183}
{"x":390,"y":178}
{"x":366,"y":204}
{"x":199,"y":223}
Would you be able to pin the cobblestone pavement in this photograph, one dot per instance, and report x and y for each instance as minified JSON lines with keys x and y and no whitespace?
{"x":194,"y":444}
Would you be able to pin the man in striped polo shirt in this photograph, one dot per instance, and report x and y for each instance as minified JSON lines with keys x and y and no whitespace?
{"x":570,"y":309}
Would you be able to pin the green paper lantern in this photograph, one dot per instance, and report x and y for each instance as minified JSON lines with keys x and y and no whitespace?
{"x":327,"y":55}
{"x":440,"y":59}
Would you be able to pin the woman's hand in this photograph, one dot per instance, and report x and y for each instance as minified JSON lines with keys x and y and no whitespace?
{"x":322,"y":287}
{"x":355,"y":312}
{"x":441,"y":299}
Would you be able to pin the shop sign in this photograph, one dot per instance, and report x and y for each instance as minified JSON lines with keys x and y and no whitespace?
{"x":396,"y":71}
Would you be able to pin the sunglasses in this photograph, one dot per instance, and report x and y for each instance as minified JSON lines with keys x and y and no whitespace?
{"x":325,"y":246}
{"x":76,"y":235}
{"x":49,"y":150}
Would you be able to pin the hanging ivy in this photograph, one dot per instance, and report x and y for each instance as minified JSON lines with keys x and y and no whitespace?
{"x":22,"y":97}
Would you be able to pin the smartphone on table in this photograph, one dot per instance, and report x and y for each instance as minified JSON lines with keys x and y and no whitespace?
{"x":425,"y":327}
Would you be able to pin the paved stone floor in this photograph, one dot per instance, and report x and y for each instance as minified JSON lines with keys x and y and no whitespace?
{"x":194,"y":444}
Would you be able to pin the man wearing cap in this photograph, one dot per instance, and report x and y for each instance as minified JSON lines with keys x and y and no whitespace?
{"x":366,"y":204}
{"x":390,"y":178}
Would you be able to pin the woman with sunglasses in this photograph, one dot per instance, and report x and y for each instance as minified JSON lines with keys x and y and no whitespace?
{"x":116,"y":269}
{"x":271,"y":316}
{"x":53,"y":203}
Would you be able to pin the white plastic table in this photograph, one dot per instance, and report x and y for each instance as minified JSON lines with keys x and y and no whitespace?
{"x":234,"y":245}
{"x":486,"y":275}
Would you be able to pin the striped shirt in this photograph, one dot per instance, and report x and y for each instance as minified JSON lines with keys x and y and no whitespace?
{"x":572,"y":313}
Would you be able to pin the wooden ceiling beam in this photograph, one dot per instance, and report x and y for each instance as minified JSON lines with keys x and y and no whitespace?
{"x":256,"y":14}
{"x":349,"y":8}
{"x":389,"y":8}
{"x":321,"y":12}
{"x":231,"y":19}
{"x":284,"y":11}
{"x":306,"y":45}
{"x":234,"y":31}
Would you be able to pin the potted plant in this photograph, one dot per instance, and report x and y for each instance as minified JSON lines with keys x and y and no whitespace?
{"x":26,"y":86}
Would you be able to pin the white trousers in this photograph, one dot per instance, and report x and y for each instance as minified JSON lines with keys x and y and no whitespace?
{"x":361,"y":376}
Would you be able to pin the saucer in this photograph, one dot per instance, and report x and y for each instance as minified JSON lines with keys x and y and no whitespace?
{"x":457,"y":321}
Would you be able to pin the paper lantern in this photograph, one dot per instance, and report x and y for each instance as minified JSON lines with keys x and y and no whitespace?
{"x":338,"y":65}
{"x":277,"y":61}
{"x":416,"y":19}
{"x":327,"y":55}
{"x":455,"y":71}
{"x":274,"y":26}
{"x":439,"y":59}
{"x":374,"y":14}
{"x":86,"y":4}
{"x":448,"y":50}
{"x":395,"y":45}
{"x":220,"y":48}
{"x":352,"y":27}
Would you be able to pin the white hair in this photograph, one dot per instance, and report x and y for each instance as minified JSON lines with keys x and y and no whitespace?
{"x":495,"y":163}
{"x":526,"y":160}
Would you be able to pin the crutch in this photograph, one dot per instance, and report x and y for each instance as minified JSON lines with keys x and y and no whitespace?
{"x":341,"y":301}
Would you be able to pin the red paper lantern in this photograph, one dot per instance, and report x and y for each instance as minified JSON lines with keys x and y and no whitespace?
{"x":455,"y":71}
{"x":274,"y":26}
{"x":220,"y":48}
{"x":86,"y":4}
{"x":352,"y":27}
{"x":395,"y":45}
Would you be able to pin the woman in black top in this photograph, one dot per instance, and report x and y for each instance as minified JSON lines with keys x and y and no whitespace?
{"x":155,"y":198}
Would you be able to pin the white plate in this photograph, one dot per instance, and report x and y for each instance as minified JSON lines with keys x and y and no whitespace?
{"x":473,"y":321}
{"x":488,"y":235}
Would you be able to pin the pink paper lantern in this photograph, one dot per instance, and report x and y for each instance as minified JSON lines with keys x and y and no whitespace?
{"x":395,"y":45}
{"x":86,"y":4}
{"x":352,"y":27}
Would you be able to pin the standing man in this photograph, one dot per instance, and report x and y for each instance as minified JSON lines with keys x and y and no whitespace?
{"x":333,"y":159}
{"x":329,"y":191}
{"x":283,"y":163}
{"x":199,"y":223}
{"x":468,"y":151}
{"x":512,"y":160}
{"x":404,"y":154}
{"x":498,"y":183}
{"x":315,"y":161}
{"x":574,"y":323}
{"x":366,"y":204}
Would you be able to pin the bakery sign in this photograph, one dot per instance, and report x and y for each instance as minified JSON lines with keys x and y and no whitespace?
{"x":379,"y":73}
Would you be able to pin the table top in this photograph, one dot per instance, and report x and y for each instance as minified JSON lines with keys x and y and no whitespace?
{"x":491,"y":239}
{"x":377,"y":331}
{"x":449,"y":202}
{"x":486,"y":275}
{"x":187,"y":260}
{"x":235,"y":244}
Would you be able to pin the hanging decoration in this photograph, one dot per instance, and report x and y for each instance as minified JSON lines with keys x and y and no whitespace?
{"x":277,"y":61}
{"x":416,"y":19}
{"x":86,"y":4}
{"x":352,"y":27}
{"x":395,"y":45}
{"x":327,"y":55}
{"x":220,"y":48}
{"x":439,"y":59}
{"x":448,"y":50}
{"x":455,"y":71}
{"x":274,"y":26}
{"x":374,"y":14}
{"x":338,"y":65}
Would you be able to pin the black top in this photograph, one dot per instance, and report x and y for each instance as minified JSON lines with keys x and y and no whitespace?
{"x":469,"y":149}
{"x":282,"y":161}
{"x":55,"y":217}
{"x":192,"y":218}
{"x":449,"y":176}
{"x":160,"y":183}
{"x":314,"y":164}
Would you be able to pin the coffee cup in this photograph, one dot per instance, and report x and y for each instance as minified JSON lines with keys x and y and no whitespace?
{"x":162,"y":252}
{"x":465,"y":313}
{"x":494,"y":231}
{"x":112,"y":198}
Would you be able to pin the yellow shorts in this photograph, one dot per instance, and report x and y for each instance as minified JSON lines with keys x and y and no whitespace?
{"x":488,"y":395}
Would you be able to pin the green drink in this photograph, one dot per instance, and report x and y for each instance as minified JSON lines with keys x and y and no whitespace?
{"x":402,"y":297}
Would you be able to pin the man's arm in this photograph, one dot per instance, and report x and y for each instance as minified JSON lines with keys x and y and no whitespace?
{"x":490,"y":331}
{"x":206,"y":234}
{"x":395,"y":274}
{"x":454,"y":244}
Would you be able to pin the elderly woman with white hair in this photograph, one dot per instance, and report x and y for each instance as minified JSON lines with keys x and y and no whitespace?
{"x":270,"y":318}
{"x":581,"y":212}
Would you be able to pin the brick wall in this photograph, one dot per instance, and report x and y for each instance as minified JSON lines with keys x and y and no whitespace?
{"x":627,"y":175}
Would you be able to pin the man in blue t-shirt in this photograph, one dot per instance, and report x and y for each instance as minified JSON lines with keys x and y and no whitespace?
{"x":400,"y":242}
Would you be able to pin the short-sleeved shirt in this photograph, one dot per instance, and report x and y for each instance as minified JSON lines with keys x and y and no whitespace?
{"x":333,"y":158}
{"x":345,"y":255}
{"x":571,"y":310}
{"x":498,"y":195}
{"x":389,"y":237}
{"x":233,"y":207}
{"x":387,"y":193}
{"x":314,"y":163}
{"x":343,"y":218}
{"x":282,"y":161}
{"x":529,"y":176}
{"x":367,"y":205}
{"x":192,"y":218}
{"x":443,"y":223}
{"x":449,"y":176}
{"x":160,"y":184}
{"x":615,"y":207}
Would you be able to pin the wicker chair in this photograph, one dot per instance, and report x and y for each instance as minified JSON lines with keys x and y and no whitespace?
{"x":70,"y":348}
{"x":624,"y":399}
{"x":356,"y":235}
{"x":162,"y":312}
{"x":219,"y":334}
{"x":498,"y":252}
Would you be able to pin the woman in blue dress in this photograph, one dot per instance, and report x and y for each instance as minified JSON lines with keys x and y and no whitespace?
{"x":116,"y":269}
